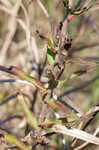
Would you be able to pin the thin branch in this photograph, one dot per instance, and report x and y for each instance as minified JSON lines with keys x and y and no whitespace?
{"x":12,"y":25}
{"x":5,"y":69}
{"x":86,"y":143}
{"x":93,"y":111}
{"x":90,"y":120}
{"x":6,"y":3}
{"x":35,"y":50}
{"x":58,"y":128}
{"x":7,"y":80}
{"x":67,"y":105}
{"x":28,"y":34}
{"x":6,"y":100}
{"x":10,"y":118}
{"x":43,"y":8}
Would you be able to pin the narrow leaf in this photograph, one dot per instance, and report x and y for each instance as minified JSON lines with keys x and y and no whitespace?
{"x":12,"y":139}
{"x":55,"y":104}
{"x":50,"y":55}
{"x":77,"y":74}
{"x":30,"y":117}
{"x":24,"y":76}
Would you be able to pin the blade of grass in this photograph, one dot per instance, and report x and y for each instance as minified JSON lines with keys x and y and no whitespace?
{"x":24,"y":76}
{"x":29,"y":115}
{"x":14,"y":140}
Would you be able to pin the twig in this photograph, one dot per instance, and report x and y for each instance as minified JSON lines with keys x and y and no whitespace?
{"x":6,"y":100}
{"x":43,"y":8}
{"x":6,"y":3}
{"x":44,"y":108}
{"x":86,"y":143}
{"x":30,"y":42}
{"x":35,"y":50}
{"x":67,"y":105}
{"x":10,"y":118}
{"x":90,"y":120}
{"x":5,"y":69}
{"x":93,"y":111}
{"x":28,"y":34}
{"x":7,"y":80}
{"x":76,"y":133}
{"x":12,"y":28}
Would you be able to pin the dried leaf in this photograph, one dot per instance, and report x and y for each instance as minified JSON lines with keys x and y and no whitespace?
{"x":76,"y":133}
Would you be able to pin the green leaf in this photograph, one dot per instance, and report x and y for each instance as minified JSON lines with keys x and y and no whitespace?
{"x":24,"y":76}
{"x":77,"y":74}
{"x":81,"y":7}
{"x":29,"y":115}
{"x":12,"y":139}
{"x":61,"y":83}
{"x":50,"y":55}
